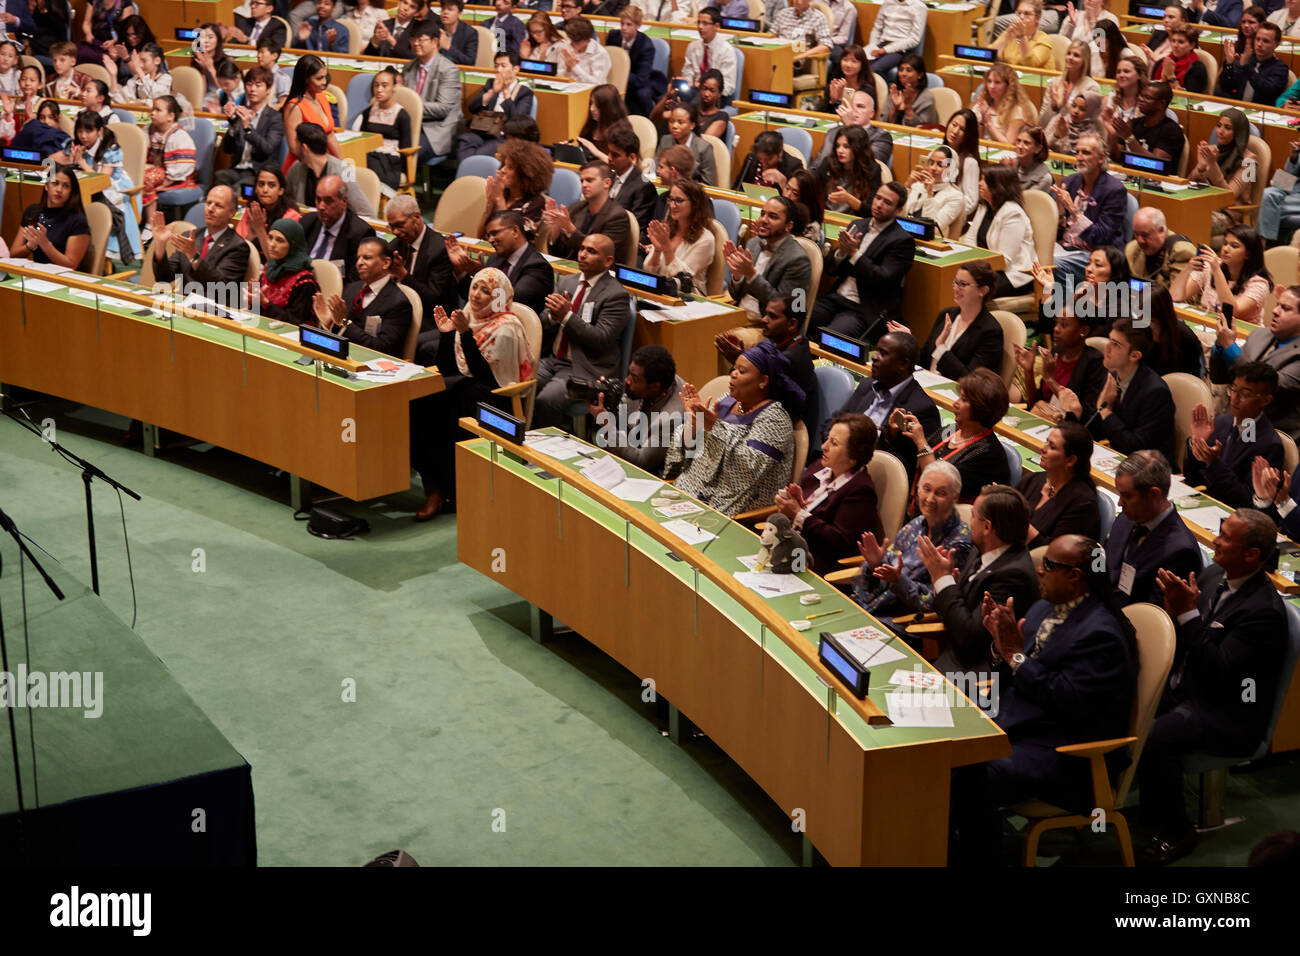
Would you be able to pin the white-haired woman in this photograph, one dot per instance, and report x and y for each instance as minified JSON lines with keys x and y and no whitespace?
{"x":487,"y":346}
{"x":894,"y":581}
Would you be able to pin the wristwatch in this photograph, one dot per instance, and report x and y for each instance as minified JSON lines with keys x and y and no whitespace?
{"x":1016,"y":660}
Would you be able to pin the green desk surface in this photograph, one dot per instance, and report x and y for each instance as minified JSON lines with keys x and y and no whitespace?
{"x":733,"y":541}
{"x":149,"y":731}
{"x":227,"y":338}
{"x":771,"y":118}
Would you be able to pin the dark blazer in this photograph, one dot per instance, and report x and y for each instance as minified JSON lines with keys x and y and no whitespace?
{"x":520,"y":105}
{"x":464,"y":45}
{"x":1072,"y":510}
{"x":595,"y":343}
{"x":979,"y":347}
{"x":805,"y":376}
{"x":401,"y":49}
{"x":1087,"y":378}
{"x":961,"y":607}
{"x":1188,"y":355}
{"x":1267,"y":80}
{"x":642,"y":56}
{"x":1228,"y":479}
{"x":353,"y":230}
{"x":1290,"y":525}
{"x":1106,"y":206}
{"x":834,"y":527}
{"x":788,"y":166}
{"x":274,"y":31}
{"x":611,"y":221}
{"x":1078,"y":688}
{"x":226,"y":261}
{"x":393,"y":306}
{"x":787,"y":270}
{"x":880,"y":272}
{"x":639,"y":196}
{"x":1245,"y":639}
{"x":430,"y":275}
{"x":1171,"y":545}
{"x":911,"y":397}
{"x":1284,"y":411}
{"x":266,"y":138}
{"x":1143,"y":418}
{"x":980,"y":463}
{"x":532,"y":277}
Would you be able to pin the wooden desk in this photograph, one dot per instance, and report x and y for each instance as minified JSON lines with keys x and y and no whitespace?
{"x":943,"y":28}
{"x":21,"y":193}
{"x":208,"y":380}
{"x":164,"y":16}
{"x":870,"y":794}
{"x":355,"y":146}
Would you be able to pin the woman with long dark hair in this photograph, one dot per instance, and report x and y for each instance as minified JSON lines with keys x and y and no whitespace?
{"x":853,"y":72}
{"x":1116,"y":44}
{"x":1176,"y":348}
{"x":1098,"y":298}
{"x":268,"y":204}
{"x":55,"y":230}
{"x":132,"y":35}
{"x":1000,"y":224}
{"x":962,"y":136}
{"x":1231,"y":164}
{"x":1235,"y":275}
{"x":605,"y":110}
{"x":99,"y":26}
{"x":389,"y":119}
{"x":1030,"y":161}
{"x":208,"y":57}
{"x":910,"y":102}
{"x":1062,"y":497}
{"x":851,"y":174}
{"x":685,"y":242}
{"x":308,"y":102}
{"x":805,"y":188}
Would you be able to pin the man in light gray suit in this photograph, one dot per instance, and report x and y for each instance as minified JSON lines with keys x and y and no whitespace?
{"x":437,"y":81}
{"x":770,"y":263}
{"x":1278,"y":345}
{"x":590,"y":310}
{"x":859,"y":112}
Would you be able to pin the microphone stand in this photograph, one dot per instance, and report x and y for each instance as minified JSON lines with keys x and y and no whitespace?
{"x":7,"y":524}
{"x":88,"y":473}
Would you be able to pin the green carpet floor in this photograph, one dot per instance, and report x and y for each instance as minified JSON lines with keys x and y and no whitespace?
{"x":460,"y":719}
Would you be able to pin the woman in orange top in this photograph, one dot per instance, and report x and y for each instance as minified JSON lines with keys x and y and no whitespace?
{"x":308,"y":102}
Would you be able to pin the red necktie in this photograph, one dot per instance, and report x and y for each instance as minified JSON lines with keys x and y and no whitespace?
{"x":704,"y":63}
{"x":207,"y":241}
{"x":356,"y":303}
{"x":562,"y":350}
{"x":424,"y":72}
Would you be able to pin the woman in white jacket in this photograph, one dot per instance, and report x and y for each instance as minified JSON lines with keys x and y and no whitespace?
{"x":931,"y":194}
{"x":1007,"y":231}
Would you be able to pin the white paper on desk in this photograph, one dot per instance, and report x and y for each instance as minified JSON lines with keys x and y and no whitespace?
{"x":928,"y":680}
{"x":1105,"y":459}
{"x":609,"y":474}
{"x":389,"y":370}
{"x":1207,"y":516}
{"x":636,"y":489}
{"x":556,"y":446}
{"x":690,"y":533}
{"x":771,"y":585}
{"x":680,"y":509}
{"x":40,"y":285}
{"x":868,"y":646}
{"x":103,"y":300}
{"x":1205,"y":106}
{"x":1175,"y":187}
{"x":928,"y":379}
{"x":917,"y":141}
{"x":1179,"y":489}
{"x":1039,"y":431}
{"x":912,"y":708}
{"x":49,"y":267}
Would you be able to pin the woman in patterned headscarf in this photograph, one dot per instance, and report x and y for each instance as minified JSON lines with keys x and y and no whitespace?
{"x":743,"y":443}
{"x":487,"y":346}
{"x":288,"y":284}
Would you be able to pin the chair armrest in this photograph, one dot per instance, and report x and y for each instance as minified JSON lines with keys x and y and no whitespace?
{"x":122,"y":275}
{"x":1095,"y":747}
{"x":752,"y":515}
{"x":518,"y":388}
{"x":839,"y":577}
{"x":925,"y":617}
{"x":1245,"y":208}
{"x":929,"y":628}
{"x":408,"y":150}
{"x":853,"y":561}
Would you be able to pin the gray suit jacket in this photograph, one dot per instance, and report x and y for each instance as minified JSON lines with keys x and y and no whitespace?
{"x":611,"y":221}
{"x":595,"y":333}
{"x":789,"y":269}
{"x":1285,"y":410}
{"x":706,"y":170}
{"x":441,"y":96}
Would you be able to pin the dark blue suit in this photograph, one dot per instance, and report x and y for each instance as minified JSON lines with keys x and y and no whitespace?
{"x":1206,"y":708}
{"x":642,"y":88}
{"x":911,"y":397}
{"x":1170,"y":545}
{"x":1142,"y":418}
{"x":464,"y":45}
{"x":1228,"y":478}
{"x":1078,"y":688}
{"x":1290,"y":525}
{"x":1227,"y":13}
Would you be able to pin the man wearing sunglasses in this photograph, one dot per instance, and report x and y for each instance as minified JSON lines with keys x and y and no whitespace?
{"x":1065,"y":675}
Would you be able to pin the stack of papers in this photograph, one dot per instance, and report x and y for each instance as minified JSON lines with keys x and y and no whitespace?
{"x":679,"y":509}
{"x":771,"y":585}
{"x":1207,"y":516}
{"x":870,"y":646}
{"x":918,"y":708}
{"x":389,"y":370}
{"x":1105,"y":460}
{"x":679,"y":313}
{"x":556,"y":446}
{"x":39,"y":285}
{"x":609,"y":474}
{"x":928,"y":379}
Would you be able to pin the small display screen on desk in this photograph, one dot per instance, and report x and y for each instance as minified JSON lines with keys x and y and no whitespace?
{"x":842,"y":345}
{"x":647,"y":281}
{"x":21,"y":155}
{"x":539,"y":66}
{"x":843,"y":666}
{"x":771,"y":98}
{"x":736,"y":23}
{"x":975,"y":53}
{"x":323,"y":341}
{"x":922,"y":230}
{"x":187,"y":33}
{"x":497,"y":421}
{"x":1144,"y":10}
{"x":1151,"y":164}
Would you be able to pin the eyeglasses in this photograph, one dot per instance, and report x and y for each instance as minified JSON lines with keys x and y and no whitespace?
{"x":961,"y":284}
{"x":1245,"y":393}
{"x":1050,"y":565}
{"x":676,"y":200}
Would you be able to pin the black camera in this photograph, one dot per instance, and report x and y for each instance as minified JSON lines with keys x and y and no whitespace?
{"x":585,"y":390}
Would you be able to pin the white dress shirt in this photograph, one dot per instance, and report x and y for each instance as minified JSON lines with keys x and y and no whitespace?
{"x":722,"y":57}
